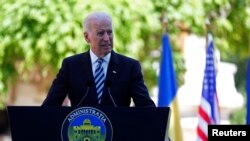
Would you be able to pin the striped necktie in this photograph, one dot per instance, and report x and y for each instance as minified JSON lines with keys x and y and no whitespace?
{"x":99,"y":79}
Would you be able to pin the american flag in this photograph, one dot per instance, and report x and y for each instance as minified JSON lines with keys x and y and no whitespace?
{"x":208,"y":111}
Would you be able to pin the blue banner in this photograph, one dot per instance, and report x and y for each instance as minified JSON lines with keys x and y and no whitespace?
{"x":167,"y":79}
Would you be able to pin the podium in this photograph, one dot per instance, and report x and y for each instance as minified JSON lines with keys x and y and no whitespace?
{"x":29,"y":123}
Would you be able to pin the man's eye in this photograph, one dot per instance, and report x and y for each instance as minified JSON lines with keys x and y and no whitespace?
{"x":100,"y":33}
{"x":110,"y":32}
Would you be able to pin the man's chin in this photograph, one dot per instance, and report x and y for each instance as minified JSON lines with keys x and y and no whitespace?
{"x":107,"y":49}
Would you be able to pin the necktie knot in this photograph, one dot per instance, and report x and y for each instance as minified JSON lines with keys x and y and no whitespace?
{"x":100,"y":61}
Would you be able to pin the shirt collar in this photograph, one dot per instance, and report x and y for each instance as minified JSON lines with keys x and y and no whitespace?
{"x":94,"y":58}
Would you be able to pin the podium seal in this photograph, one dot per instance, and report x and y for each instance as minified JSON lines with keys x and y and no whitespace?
{"x":86,"y":124}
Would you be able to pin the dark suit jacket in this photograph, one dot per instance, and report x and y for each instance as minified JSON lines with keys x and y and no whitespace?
{"x":124,"y":75}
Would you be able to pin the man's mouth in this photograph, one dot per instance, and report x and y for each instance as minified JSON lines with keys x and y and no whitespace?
{"x":106,"y":45}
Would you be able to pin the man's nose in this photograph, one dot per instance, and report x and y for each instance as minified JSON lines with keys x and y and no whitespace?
{"x":106,"y":36}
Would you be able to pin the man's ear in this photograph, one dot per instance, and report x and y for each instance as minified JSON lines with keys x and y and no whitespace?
{"x":86,"y":36}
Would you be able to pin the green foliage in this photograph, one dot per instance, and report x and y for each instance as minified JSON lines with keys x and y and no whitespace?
{"x":238,"y":117}
{"x":42,"y":33}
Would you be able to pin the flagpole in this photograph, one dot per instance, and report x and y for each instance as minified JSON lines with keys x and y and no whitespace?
{"x":164,"y":22}
{"x":208,"y":110}
{"x":208,"y":29}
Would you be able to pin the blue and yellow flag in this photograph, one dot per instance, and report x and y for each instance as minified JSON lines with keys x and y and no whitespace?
{"x":168,"y":89}
{"x":167,"y":78}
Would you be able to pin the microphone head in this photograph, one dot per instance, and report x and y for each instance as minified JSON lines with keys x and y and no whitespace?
{"x":108,"y":83}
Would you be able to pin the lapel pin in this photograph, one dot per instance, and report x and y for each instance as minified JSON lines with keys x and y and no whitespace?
{"x":114,"y":72}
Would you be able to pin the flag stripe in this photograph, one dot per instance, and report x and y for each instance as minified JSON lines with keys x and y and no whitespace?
{"x":204,"y":110}
{"x":201,"y":135}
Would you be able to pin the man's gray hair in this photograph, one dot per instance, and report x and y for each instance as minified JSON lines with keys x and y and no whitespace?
{"x":95,"y":15}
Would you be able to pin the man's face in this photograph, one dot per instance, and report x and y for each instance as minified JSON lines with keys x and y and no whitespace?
{"x":100,"y":36}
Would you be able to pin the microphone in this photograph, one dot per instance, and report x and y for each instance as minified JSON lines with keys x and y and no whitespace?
{"x":108,"y":85}
{"x":88,"y":84}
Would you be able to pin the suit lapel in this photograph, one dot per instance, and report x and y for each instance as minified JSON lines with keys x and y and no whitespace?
{"x":112,"y":75}
{"x":113,"y":67}
{"x":88,"y":75}
{"x":87,"y":67}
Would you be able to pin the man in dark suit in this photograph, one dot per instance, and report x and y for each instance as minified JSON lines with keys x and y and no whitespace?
{"x":120,"y":77}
